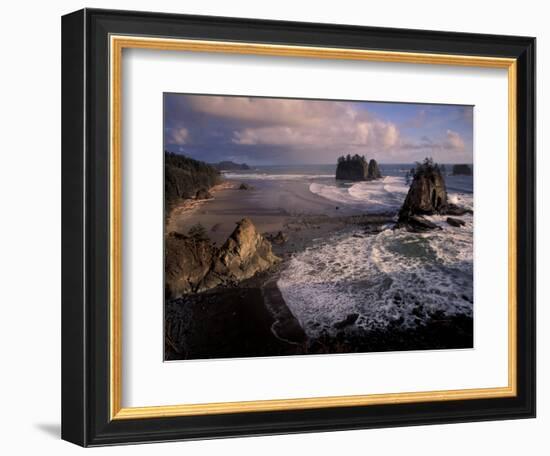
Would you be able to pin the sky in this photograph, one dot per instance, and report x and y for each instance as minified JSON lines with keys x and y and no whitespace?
{"x":282,"y":131}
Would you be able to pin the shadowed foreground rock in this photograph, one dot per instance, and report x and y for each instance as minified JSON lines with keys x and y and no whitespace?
{"x":194,"y":265}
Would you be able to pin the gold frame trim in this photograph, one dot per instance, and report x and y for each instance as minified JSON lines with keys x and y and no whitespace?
{"x":117,"y":44}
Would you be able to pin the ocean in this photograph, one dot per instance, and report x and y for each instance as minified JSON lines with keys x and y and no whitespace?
{"x":393,"y":277}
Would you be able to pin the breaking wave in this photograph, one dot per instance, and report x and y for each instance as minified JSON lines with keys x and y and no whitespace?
{"x":394,"y":277}
{"x":379,"y":195}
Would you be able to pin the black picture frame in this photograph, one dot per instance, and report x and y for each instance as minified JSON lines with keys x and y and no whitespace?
{"x":85,"y":228}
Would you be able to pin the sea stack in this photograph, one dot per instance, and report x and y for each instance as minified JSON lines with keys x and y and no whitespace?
{"x":427,"y":194}
{"x":356,"y":168}
{"x":462,"y":170}
{"x":374,"y":170}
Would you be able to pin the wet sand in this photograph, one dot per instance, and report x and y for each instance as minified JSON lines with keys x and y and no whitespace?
{"x":270,"y":205}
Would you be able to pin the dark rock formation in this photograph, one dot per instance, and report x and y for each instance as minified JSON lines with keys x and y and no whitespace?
{"x":427,"y":193}
{"x":187,"y":261}
{"x":244,"y":186}
{"x":419,"y":224}
{"x":352,"y":168}
{"x":230,"y":166}
{"x":374,"y":170}
{"x":203,"y":194}
{"x":455,"y":222}
{"x":193,"y":264}
{"x":279,"y":238}
{"x":453,"y":209}
{"x":462,"y":170}
{"x":356,"y":168}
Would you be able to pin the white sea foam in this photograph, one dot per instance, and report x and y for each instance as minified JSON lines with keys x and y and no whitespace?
{"x":392,"y":277}
{"x":380,"y":195}
{"x":266,"y":176}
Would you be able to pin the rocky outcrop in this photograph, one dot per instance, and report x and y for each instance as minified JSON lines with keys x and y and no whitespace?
{"x":245,"y":253}
{"x":455,"y":222}
{"x":279,"y":238}
{"x":356,"y":168}
{"x":203,"y":194}
{"x":187,"y":262}
{"x":427,"y":193}
{"x":194,"y":265}
{"x":462,"y":170}
{"x":427,"y":196}
{"x":245,"y":186}
{"x":374,"y":170}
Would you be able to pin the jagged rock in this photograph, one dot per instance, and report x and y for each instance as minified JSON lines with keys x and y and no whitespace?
{"x":462,"y":170}
{"x":427,"y":193}
{"x":245,"y":253}
{"x":373,"y":170}
{"x":455,"y":222}
{"x":187,"y":261}
{"x":202,"y":194}
{"x":196,"y":265}
{"x":453,"y":209}
{"x":279,"y":238}
{"x":419,"y":224}
{"x":352,"y":168}
{"x":244,"y":186}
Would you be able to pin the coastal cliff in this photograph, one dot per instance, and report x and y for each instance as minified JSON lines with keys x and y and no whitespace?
{"x":356,"y":168}
{"x":186,"y":178}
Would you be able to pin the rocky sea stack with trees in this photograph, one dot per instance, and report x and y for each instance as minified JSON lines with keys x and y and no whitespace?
{"x":356,"y":168}
{"x":427,"y":195}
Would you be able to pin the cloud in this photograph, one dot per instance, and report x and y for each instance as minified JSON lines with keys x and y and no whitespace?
{"x":178,"y":136}
{"x":301,"y":123}
{"x":454,"y":140}
{"x":279,"y":130}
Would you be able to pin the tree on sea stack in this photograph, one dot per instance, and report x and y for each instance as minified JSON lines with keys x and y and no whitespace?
{"x":374,"y":170}
{"x":427,"y":194}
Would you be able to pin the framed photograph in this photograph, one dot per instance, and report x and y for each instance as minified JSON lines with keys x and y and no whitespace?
{"x":278,"y":227}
